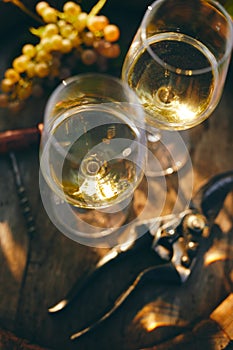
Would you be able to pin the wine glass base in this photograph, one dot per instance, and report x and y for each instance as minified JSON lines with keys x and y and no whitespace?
{"x":167,"y":152}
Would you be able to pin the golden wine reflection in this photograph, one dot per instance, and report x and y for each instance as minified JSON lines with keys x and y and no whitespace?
{"x":221,"y":251}
{"x":184,"y":112}
{"x":14,"y":254}
{"x":153,"y":316}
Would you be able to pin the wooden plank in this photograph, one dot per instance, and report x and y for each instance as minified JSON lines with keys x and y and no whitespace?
{"x":8,"y":341}
{"x":155,"y":313}
{"x":214,"y":333}
{"x":223,"y":316}
{"x":13,"y":243}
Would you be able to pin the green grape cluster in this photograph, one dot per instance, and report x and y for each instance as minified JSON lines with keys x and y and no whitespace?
{"x":73,"y":33}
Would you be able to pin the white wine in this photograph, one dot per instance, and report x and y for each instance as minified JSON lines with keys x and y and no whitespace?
{"x":92,"y":158}
{"x":175,"y":78}
{"x":93,"y":155}
{"x":92,"y":178}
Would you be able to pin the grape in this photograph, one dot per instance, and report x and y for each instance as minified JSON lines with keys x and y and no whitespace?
{"x":12,"y":74}
{"x":56,"y":42}
{"x":72,"y":33}
{"x":46,"y":43}
{"x":88,"y":57}
{"x":41,"y":69}
{"x":20,"y":63}
{"x":111,"y":33}
{"x":112,"y":51}
{"x":75,"y":39}
{"x":81,"y":22}
{"x":49,"y":30}
{"x":99,"y":45}
{"x":88,"y":38}
{"x":66,"y":46}
{"x":41,"y":6}
{"x":29,"y":50}
{"x":49,"y":15}
{"x":61,"y":23}
{"x":7,"y":85}
{"x":24,"y":90}
{"x":4,"y":100}
{"x":71,"y":8}
{"x":66,"y":30}
{"x":107,"y":49}
{"x":30,"y":69}
{"x":97,"y":23}
{"x":43,"y":55}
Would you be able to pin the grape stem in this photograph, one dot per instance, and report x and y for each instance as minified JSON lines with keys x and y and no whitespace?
{"x":97,"y":8}
{"x":23,"y":8}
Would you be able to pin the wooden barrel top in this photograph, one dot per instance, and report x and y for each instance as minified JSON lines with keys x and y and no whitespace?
{"x":37,"y":271}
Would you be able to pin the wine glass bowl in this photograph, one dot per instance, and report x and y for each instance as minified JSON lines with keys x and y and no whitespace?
{"x":178,"y":61}
{"x":92,"y":154}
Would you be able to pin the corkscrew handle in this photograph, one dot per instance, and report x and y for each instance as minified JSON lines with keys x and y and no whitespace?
{"x":12,"y":140}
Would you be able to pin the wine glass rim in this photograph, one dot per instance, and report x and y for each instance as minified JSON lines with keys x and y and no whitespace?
{"x":90,"y":75}
{"x":132,"y":97}
{"x":146,"y":40}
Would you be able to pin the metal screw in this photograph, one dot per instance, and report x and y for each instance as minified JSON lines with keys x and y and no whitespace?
{"x":185,"y":261}
{"x":196,"y":223}
{"x":192,"y":248}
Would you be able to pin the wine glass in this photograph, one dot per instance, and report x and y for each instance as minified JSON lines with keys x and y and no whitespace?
{"x":177,"y":64}
{"x":92,"y":157}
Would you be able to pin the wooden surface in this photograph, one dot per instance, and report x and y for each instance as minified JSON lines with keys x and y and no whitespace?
{"x":155,"y":313}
